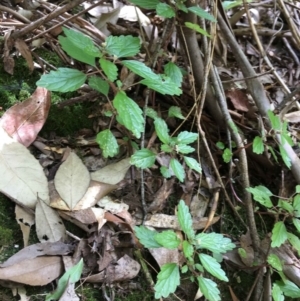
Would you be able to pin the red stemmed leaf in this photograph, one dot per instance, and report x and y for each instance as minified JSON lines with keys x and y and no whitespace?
{"x":24,"y":120}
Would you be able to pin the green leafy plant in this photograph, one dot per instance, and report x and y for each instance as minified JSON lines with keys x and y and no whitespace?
{"x":195,"y":248}
{"x":285,"y":210}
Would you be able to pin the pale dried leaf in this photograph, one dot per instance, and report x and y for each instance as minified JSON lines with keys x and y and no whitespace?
{"x":112,"y":16}
{"x":21,"y":291}
{"x":112,"y":173}
{"x":293,"y":117}
{"x":114,"y":207}
{"x":55,"y":200}
{"x":24,"y":120}
{"x":24,"y":49}
{"x":134,"y":14}
{"x":72,"y":180}
{"x":164,"y":255}
{"x":23,"y":178}
{"x":49,"y":225}
{"x":35,"y":272}
{"x":25,"y":219}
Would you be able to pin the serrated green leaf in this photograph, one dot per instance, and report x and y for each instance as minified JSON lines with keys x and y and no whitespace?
{"x":175,"y":74}
{"x":165,"y":171}
{"x":262,"y":195}
{"x":162,"y":130}
{"x":98,"y":84}
{"x":165,"y":10}
{"x":209,"y":289}
{"x":184,"y":269}
{"x":197,"y":28}
{"x":147,"y":4}
{"x":184,"y":149}
{"x":130,"y":112}
{"x":258,"y":145}
{"x":167,"y":280}
{"x":274,"y":262}
{"x":193,"y":164}
{"x":212,"y":266}
{"x":200,"y":12}
{"x":175,"y":112}
{"x":199,"y":267}
{"x":62,"y":80}
{"x":296,"y":223}
{"x":70,"y":276}
{"x":297,"y":188}
{"x":285,"y":157}
{"x":151,"y":113}
{"x":242,"y":252}
{"x":220,"y":145}
{"x":146,"y":237}
{"x":143,"y":158}
{"x":167,"y":239}
{"x":275,"y":121}
{"x":163,"y":85}
{"x":186,"y":137}
{"x":185,"y":220}
{"x":122,"y":46}
{"x":177,"y":169}
{"x":140,"y":69}
{"x":166,"y":148}
{"x":188,"y":249}
{"x":289,"y":288}
{"x":296,"y":205}
{"x":227,"y":155}
{"x":109,"y":69}
{"x":181,"y":6}
{"x":270,"y":148}
{"x":285,"y":137}
{"x":285,"y":205}
{"x":214,"y":242}
{"x":108,"y":143}
{"x":279,"y":234}
{"x":294,"y":241}
{"x":277,"y":293}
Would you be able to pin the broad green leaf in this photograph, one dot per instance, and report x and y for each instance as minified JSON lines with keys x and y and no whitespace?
{"x":188,"y":249}
{"x":258,"y":145}
{"x":296,"y":223}
{"x":227,"y":155}
{"x":167,"y":280}
{"x":165,"y":171}
{"x":297,"y":188}
{"x":109,"y":69}
{"x":175,"y":112}
{"x":177,"y":169}
{"x":130,"y":112}
{"x":274,"y":262}
{"x":279,"y":234}
{"x":212,"y":266}
{"x":275,"y":121}
{"x":262,"y":195}
{"x":285,"y":157}
{"x":214,"y":242}
{"x":200,"y":12}
{"x":277,"y":293}
{"x":166,"y":148}
{"x":185,"y":220}
{"x":284,"y":204}
{"x":296,"y":205}
{"x":167,"y":239}
{"x":193,"y":164}
{"x":175,"y":74}
{"x":147,"y":4}
{"x":122,"y":46}
{"x":70,"y":276}
{"x":184,"y":149}
{"x":165,"y":10}
{"x":294,"y":241}
{"x":140,"y":69}
{"x":108,"y":143}
{"x":62,"y":80}
{"x":143,"y":158}
{"x":146,"y":237}
{"x":220,"y":145}
{"x":162,"y":130}
{"x":197,"y":28}
{"x":289,"y":288}
{"x":181,"y":6}
{"x":151,"y":113}
{"x":186,"y":137}
{"x":209,"y":289}
{"x":163,"y":85}
{"x":99,"y":84}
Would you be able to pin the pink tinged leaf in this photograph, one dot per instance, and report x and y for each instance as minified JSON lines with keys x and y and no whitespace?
{"x":24,"y":120}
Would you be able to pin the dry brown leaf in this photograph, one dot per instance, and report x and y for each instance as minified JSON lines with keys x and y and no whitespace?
{"x":25,"y":219}
{"x":25,"y":52}
{"x":164,"y":255}
{"x":114,"y":207}
{"x":293,"y":117}
{"x":24,"y":120}
{"x":38,"y":271}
